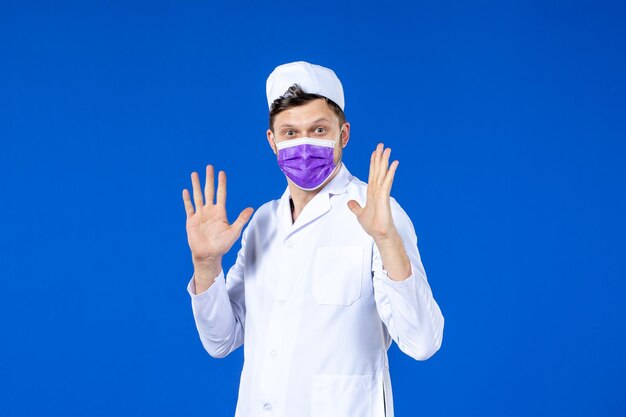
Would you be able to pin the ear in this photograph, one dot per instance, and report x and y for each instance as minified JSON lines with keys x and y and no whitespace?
{"x":270,"y":140}
{"x":345,"y":134}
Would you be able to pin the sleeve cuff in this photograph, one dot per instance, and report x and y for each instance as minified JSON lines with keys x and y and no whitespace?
{"x":191,"y":286}
{"x":405,"y":282}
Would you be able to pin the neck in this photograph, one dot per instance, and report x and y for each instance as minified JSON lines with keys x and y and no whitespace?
{"x":301,"y":197}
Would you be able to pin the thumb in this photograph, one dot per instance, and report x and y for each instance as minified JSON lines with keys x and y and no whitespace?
{"x":355,"y":207}
{"x":241,"y":221}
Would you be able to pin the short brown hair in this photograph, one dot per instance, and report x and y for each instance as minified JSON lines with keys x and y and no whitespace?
{"x":294,"y":97}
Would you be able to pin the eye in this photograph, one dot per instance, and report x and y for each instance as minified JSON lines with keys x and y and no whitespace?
{"x":320,"y":130}
{"x":289,"y":133}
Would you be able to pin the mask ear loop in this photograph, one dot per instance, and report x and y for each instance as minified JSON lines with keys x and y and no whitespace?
{"x":275,"y":144}
{"x":341,"y":144}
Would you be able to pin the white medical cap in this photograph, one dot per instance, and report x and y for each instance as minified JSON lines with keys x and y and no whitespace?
{"x":311,"y":78}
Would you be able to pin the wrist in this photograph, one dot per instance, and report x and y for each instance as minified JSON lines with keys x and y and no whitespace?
{"x":205,"y":272}
{"x":206,"y":262}
{"x":389,"y":239}
{"x":394,"y":257}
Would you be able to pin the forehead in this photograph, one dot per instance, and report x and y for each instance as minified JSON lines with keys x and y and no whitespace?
{"x":306,"y":114}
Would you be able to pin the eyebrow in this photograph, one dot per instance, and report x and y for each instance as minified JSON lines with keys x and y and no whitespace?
{"x":321,"y":119}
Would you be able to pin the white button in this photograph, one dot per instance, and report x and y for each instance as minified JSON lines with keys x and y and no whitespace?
{"x":273,"y":354}
{"x":281,"y":303}
{"x":267,"y":407}
{"x":289,"y":244}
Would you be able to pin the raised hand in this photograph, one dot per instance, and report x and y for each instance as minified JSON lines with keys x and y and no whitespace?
{"x":209,"y":234}
{"x":375,"y":217}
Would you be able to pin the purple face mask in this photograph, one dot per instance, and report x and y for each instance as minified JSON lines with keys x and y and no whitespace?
{"x":307,"y":162}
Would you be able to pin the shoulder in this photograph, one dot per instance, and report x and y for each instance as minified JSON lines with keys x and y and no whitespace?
{"x":403,"y":222}
{"x":264,"y":215}
{"x":357,"y":190}
{"x":267,"y":209}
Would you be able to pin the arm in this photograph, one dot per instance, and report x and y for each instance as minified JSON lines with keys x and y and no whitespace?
{"x":219,"y":311}
{"x":407,"y":307}
{"x":403,"y":297}
{"x":218,"y":319}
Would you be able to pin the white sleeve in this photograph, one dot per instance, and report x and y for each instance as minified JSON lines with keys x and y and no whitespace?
{"x":219,"y":312}
{"x":407,"y":308}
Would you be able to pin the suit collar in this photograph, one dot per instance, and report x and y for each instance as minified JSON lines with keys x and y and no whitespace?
{"x":317,"y":207}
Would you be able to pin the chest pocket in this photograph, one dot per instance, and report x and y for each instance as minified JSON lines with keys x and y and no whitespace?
{"x":337,"y":275}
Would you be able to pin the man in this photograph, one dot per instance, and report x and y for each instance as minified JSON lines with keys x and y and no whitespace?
{"x":326,"y":276}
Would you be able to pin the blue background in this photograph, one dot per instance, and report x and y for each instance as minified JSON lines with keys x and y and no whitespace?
{"x":508,"y":119}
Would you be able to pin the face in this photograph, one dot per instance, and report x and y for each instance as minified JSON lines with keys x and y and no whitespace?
{"x":314,"y":120}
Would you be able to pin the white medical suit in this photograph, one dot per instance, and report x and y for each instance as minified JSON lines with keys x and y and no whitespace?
{"x":315,"y":311}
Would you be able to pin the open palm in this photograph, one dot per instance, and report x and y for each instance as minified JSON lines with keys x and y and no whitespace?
{"x":209,"y":233}
{"x":375,"y":217}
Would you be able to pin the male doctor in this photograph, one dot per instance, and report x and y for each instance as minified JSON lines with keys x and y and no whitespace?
{"x":326,"y":276}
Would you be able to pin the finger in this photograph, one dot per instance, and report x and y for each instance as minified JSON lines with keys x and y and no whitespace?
{"x":188,"y":205}
{"x":355,"y":207}
{"x":209,"y":187}
{"x":371,"y":186}
{"x":372,"y":162}
{"x":390,"y":175}
{"x":241,"y":221}
{"x":221,"y":188}
{"x":377,"y":162}
{"x":197,"y":194}
{"x":384,"y":165}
